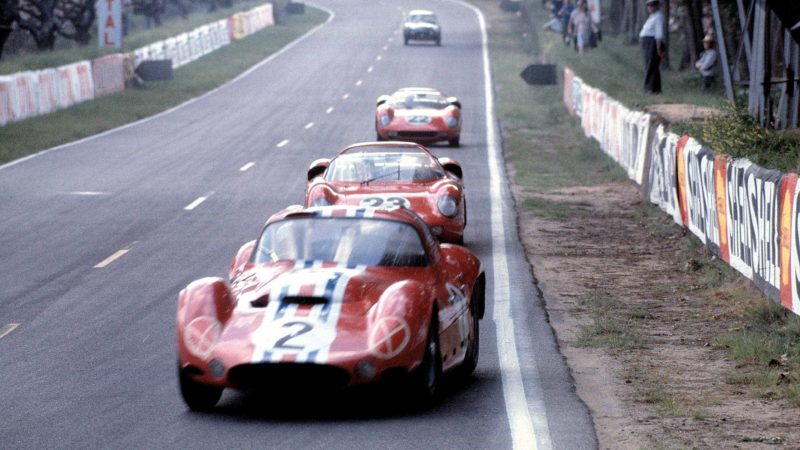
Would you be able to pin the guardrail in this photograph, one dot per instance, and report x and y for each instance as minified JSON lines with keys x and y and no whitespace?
{"x":746,"y":215}
{"x":34,"y":93}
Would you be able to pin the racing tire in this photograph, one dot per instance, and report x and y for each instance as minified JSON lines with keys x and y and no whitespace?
{"x":427,"y":379}
{"x":378,"y":137}
{"x":455,"y":142}
{"x":405,"y":41}
{"x":198,"y":396}
{"x":473,"y":348}
{"x":439,"y":42}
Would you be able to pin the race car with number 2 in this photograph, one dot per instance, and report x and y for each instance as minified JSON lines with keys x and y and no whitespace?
{"x":328,"y":298}
{"x":393,"y":174}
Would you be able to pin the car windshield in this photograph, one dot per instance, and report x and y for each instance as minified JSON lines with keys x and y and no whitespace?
{"x":426,"y":18}
{"x":418,"y":100}
{"x":387,"y":166}
{"x":342,"y":240}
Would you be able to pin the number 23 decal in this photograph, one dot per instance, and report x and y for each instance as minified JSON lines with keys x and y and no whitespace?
{"x":385,"y":201}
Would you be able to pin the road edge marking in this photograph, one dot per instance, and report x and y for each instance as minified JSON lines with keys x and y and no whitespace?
{"x":523,"y":433}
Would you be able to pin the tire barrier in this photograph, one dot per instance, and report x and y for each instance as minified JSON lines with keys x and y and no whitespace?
{"x":747,"y":216}
{"x":29,"y":94}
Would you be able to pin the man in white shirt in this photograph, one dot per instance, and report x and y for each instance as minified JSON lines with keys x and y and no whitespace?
{"x":707,"y":61}
{"x":652,"y":37}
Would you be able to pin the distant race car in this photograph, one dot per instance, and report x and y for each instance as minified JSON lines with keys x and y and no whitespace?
{"x":328,"y":298}
{"x":421,"y":25}
{"x":421,"y":115}
{"x":393,"y":174}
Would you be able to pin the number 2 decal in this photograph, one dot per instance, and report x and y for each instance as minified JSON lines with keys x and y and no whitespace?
{"x":385,"y":201}
{"x":283,"y":343}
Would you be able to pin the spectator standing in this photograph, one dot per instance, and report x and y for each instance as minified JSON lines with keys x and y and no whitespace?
{"x":581,"y":26}
{"x":564,"y":14}
{"x":652,"y":40}
{"x":707,"y":61}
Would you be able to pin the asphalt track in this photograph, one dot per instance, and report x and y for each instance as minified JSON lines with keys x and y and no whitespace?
{"x":98,"y":237}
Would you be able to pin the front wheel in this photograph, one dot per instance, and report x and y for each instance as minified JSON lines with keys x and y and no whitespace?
{"x":455,"y":142}
{"x":198,"y":396}
{"x":473,"y":349}
{"x":428,"y":376}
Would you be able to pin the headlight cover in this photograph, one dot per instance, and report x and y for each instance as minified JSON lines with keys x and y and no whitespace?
{"x":451,"y":122}
{"x":385,"y":119}
{"x":447,"y":205}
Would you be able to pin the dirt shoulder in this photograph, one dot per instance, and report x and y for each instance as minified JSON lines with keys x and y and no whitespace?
{"x":637,"y":309}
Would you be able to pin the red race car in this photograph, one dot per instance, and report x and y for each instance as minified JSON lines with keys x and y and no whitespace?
{"x":393,"y":174}
{"x":328,"y":298}
{"x":419,"y":115}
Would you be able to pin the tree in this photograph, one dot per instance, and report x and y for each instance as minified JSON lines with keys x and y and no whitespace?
{"x":76,"y":19}
{"x":8,"y":15}
{"x":39,"y":18}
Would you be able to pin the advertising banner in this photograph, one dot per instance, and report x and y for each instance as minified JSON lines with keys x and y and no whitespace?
{"x":109,"y":74}
{"x":663,"y":179}
{"x":568,"y":77}
{"x":739,"y":228}
{"x":700,"y":194}
{"x":720,"y":183}
{"x":787,"y":245}
{"x":48,"y":90}
{"x":109,"y":23}
{"x":763,"y":188}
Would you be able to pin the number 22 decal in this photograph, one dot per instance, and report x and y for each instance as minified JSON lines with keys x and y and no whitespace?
{"x":283,"y":343}
{"x":385,"y":201}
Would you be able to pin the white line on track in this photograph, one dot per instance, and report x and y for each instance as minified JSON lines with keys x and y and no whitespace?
{"x":282,"y":143}
{"x":197,"y":202}
{"x":346,"y":96}
{"x":89,"y":193}
{"x":523,"y":426}
{"x":385,"y":47}
{"x":331,"y":16}
{"x":329,"y":110}
{"x":246,"y":167}
{"x":7,"y":329}
{"x":378,"y":58}
{"x":370,"y":69}
{"x":309,"y":125}
{"x":118,"y":254}
{"x":359,"y":82}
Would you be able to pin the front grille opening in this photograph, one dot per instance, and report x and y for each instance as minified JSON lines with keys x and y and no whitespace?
{"x":304,"y":300}
{"x":287,"y":375}
{"x":417,"y":134}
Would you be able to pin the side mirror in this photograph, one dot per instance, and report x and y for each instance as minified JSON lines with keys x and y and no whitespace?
{"x":383,"y":99}
{"x":454,"y":101}
{"x":240,"y":260}
{"x":317,"y":168}
{"x":452,"y":166}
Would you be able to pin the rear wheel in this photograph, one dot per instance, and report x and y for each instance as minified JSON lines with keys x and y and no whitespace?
{"x":428,"y":376}
{"x":198,"y":396}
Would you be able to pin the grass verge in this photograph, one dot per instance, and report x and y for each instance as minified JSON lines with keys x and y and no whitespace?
{"x":29,"y":136}
{"x":67,"y":51}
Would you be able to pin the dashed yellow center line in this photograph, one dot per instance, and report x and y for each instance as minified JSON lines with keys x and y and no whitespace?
{"x":282,"y":143}
{"x":329,"y":110}
{"x":309,"y":125}
{"x":111,"y":258}
{"x":370,"y":69}
{"x":7,"y":329}
{"x":345,"y":96}
{"x":359,"y":82}
{"x":247,"y":166}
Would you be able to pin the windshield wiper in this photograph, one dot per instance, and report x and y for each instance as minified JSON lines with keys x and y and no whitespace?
{"x":382,"y":176}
